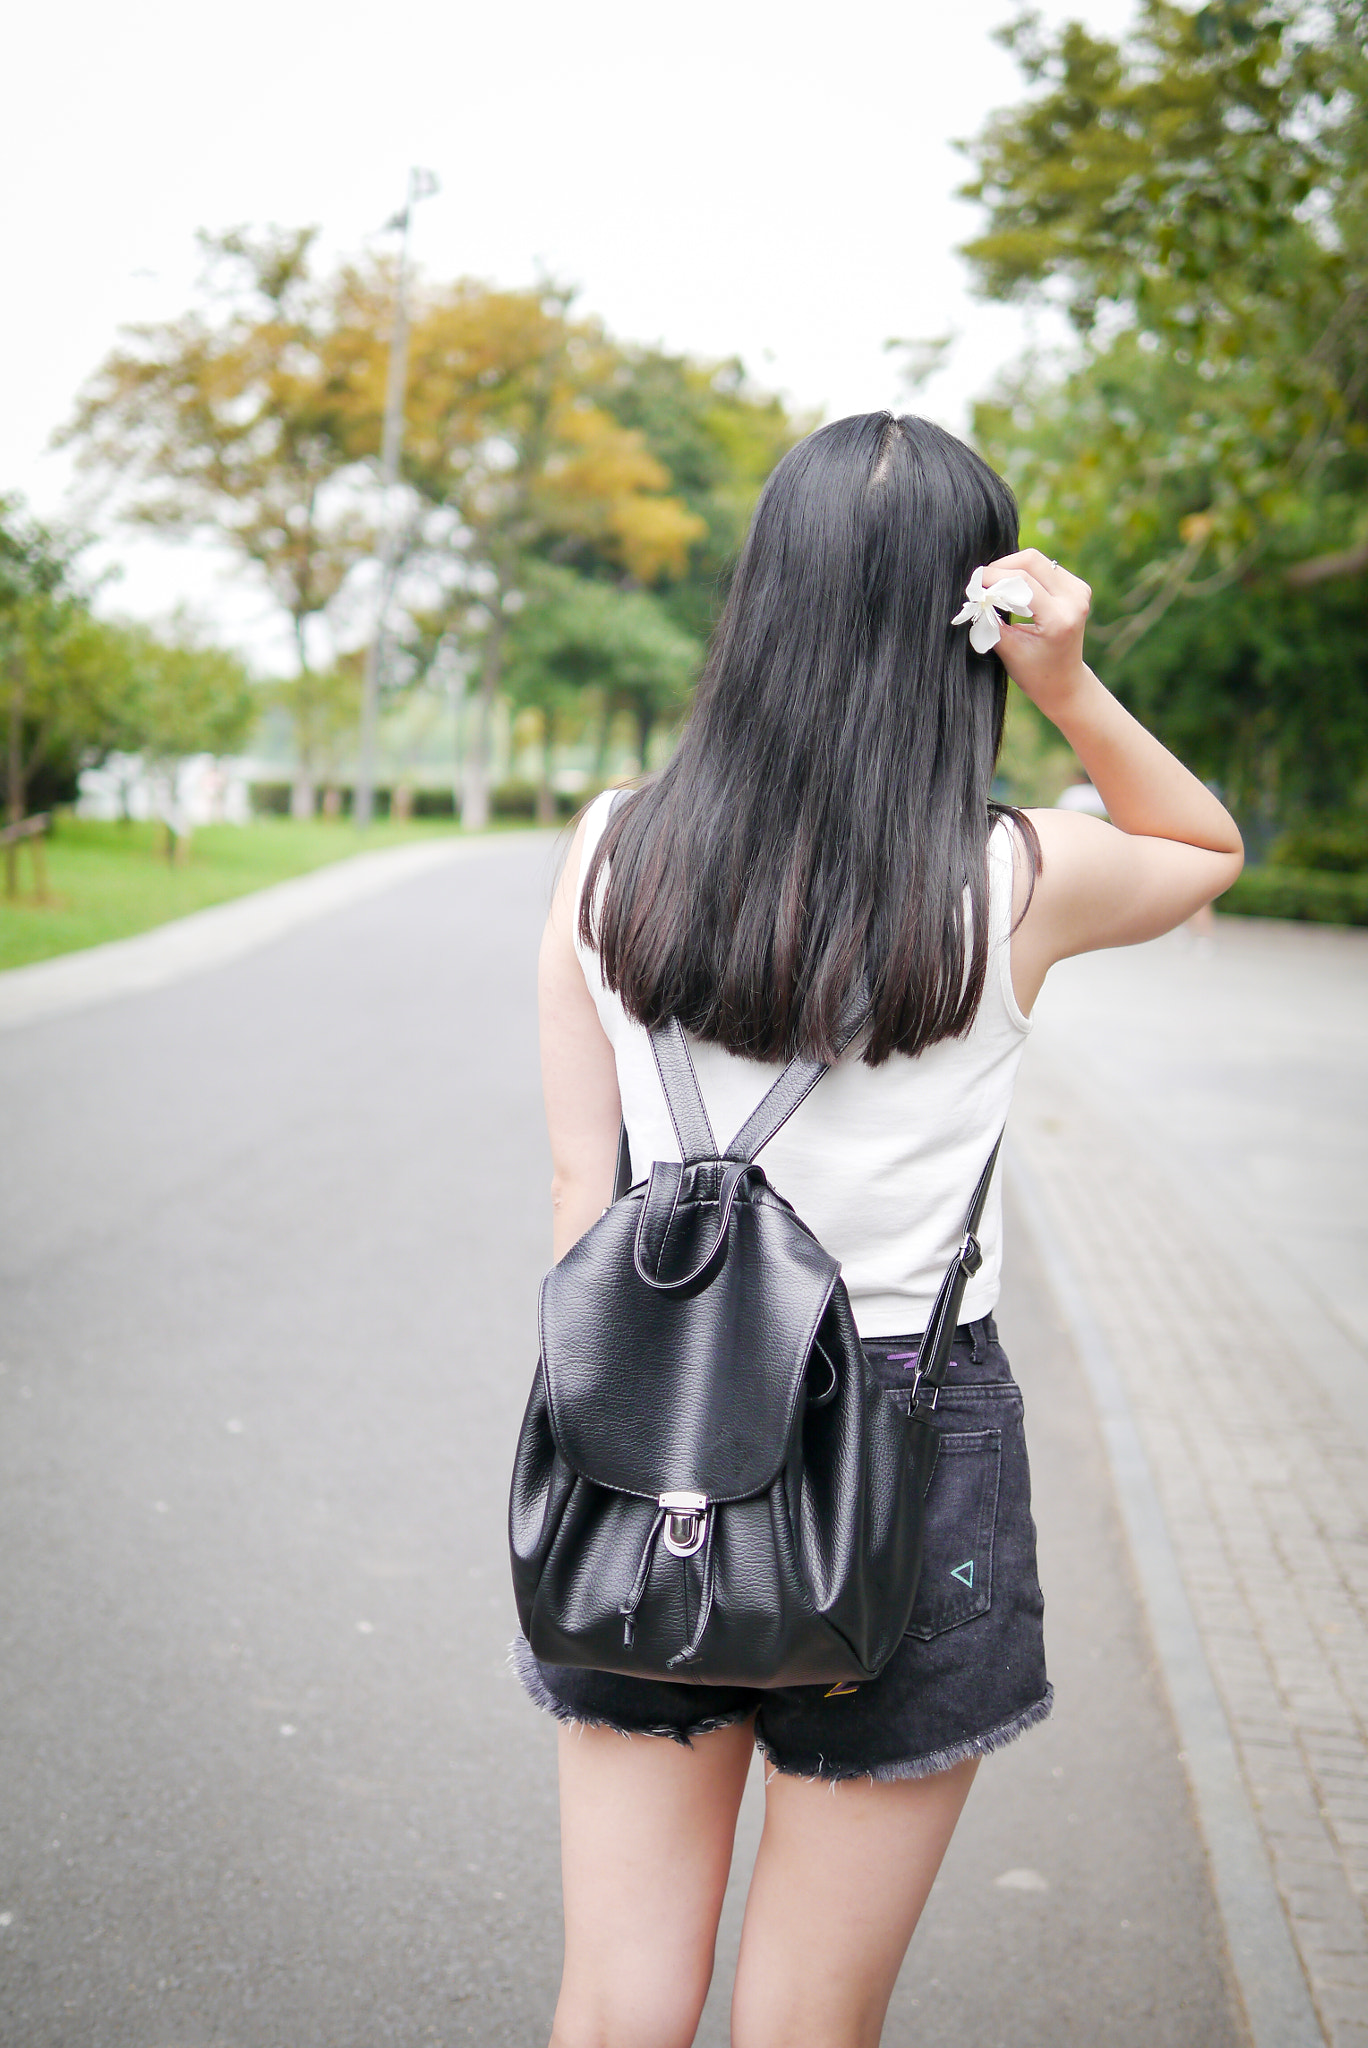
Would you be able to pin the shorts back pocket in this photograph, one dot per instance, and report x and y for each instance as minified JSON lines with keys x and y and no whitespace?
{"x":956,"y":1582}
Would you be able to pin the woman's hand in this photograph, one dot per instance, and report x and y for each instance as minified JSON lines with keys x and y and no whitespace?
{"x":1044,"y":656}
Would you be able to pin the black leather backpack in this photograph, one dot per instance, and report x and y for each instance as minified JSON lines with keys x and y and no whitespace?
{"x":710,"y":1485}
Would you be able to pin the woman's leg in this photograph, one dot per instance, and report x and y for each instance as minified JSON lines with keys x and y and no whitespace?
{"x":647,"y":1828}
{"x":840,"y":1881}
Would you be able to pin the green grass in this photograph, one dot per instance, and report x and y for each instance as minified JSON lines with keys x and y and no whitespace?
{"x":109,"y":881}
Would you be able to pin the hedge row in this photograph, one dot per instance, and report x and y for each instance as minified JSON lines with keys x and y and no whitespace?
{"x":506,"y":800}
{"x":1307,"y":893}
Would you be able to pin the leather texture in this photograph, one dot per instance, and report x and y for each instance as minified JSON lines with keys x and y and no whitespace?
{"x":698,"y":1342}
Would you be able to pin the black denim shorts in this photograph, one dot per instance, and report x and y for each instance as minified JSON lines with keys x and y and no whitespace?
{"x":968,"y":1676}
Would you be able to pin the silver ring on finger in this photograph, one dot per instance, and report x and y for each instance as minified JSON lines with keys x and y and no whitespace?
{"x":1054,"y":565}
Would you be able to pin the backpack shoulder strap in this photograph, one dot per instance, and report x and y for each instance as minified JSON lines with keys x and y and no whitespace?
{"x":689,"y":1115}
{"x":683,"y":1096}
{"x":795,"y":1084}
{"x":940,"y":1329}
{"x":622,"y":1174}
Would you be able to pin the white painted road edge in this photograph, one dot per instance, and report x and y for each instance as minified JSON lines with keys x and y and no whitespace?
{"x":1268,"y":1971}
{"x":74,"y":981}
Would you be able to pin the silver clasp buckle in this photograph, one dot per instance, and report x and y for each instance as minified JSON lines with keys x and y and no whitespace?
{"x":686,"y":1522}
{"x":917,"y":1397}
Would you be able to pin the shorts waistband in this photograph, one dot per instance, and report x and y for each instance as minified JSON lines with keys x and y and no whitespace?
{"x":977,"y":1338}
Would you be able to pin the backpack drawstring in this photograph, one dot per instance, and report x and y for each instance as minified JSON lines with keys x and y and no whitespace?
{"x":705,"y":1610}
{"x":628,"y":1609}
{"x":633,"y":1601}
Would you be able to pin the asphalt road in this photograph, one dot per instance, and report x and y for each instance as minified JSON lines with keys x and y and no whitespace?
{"x":269,"y":1246}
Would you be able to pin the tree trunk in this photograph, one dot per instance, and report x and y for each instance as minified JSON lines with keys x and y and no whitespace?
{"x":475,"y":781}
{"x":603,"y":737}
{"x":546,"y":795}
{"x":645,"y":723}
{"x":304,"y":790}
{"x":15,"y":794}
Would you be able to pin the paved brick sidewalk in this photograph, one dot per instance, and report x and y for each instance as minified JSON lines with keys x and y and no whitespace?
{"x":1264,"y":1486}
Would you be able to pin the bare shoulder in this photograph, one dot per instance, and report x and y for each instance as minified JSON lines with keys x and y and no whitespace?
{"x":565,"y":901}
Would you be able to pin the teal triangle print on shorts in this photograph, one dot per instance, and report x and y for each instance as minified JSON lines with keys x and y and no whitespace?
{"x":963,"y":1572}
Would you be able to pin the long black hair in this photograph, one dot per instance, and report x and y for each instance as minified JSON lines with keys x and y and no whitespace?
{"x":826,"y":813}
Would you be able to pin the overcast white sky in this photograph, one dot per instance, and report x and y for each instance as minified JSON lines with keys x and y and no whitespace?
{"x":774,"y":181}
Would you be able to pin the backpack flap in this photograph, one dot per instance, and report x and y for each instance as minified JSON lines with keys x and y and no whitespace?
{"x":631,"y":1366}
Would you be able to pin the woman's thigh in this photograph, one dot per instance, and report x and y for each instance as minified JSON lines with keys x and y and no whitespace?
{"x":840,"y":1881}
{"x":647,"y":1828}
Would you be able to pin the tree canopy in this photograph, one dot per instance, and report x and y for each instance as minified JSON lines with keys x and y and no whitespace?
{"x":238,"y":419}
{"x":533,"y":440}
{"x":1195,"y":198}
{"x":75,"y":687}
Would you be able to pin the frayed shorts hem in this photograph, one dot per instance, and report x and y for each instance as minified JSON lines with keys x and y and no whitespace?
{"x":528,"y":1673}
{"x":918,"y":1766}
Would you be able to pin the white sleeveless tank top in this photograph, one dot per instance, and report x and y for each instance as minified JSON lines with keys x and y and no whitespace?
{"x":880,"y":1162}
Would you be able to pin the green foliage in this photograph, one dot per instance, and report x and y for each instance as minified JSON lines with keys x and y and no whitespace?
{"x":1169,"y":175}
{"x":324,"y":710}
{"x":515,"y":798}
{"x":1261,"y":683}
{"x":578,"y":648}
{"x":532,"y":440}
{"x":1204,"y":187}
{"x":1196,"y":198}
{"x":515,"y":457}
{"x":235,"y":422}
{"x":180,"y":695}
{"x":1035,"y":764}
{"x":1307,"y":894}
{"x":74,"y":687}
{"x":574,"y":634}
{"x":1338,"y":847}
{"x":63,"y":675}
{"x":719,"y":438}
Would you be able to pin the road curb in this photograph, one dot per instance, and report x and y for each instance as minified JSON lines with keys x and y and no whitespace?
{"x":1267,"y":1968}
{"x":188,"y":945}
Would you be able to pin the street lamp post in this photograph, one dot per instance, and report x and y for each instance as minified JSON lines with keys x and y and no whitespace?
{"x":421,"y":185}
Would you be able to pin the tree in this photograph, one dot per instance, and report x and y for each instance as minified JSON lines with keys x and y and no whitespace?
{"x":247,"y":422}
{"x":1195,"y":200}
{"x":182,"y":697}
{"x":1261,"y":684}
{"x":62,"y":681}
{"x":575,"y":636}
{"x":1203,"y":191}
{"x":323,"y":706}
{"x":532,"y":439}
{"x":510,"y":444}
{"x":719,"y":438}
{"x":75,"y":688}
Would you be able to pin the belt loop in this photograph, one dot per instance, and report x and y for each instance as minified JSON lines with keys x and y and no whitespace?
{"x":978,"y":1337}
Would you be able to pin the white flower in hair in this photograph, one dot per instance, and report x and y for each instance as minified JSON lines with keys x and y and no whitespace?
{"x":980,"y":612}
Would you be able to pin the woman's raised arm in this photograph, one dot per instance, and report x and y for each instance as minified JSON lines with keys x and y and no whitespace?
{"x":1171,"y":845}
